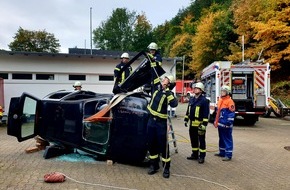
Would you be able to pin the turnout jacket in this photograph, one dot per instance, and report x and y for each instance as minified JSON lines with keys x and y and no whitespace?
{"x":121,"y":76}
{"x":155,"y":60}
{"x":160,"y":100}
{"x":197,"y":111}
{"x":225,"y":112}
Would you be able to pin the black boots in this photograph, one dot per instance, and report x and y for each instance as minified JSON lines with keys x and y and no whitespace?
{"x":201,"y":160}
{"x":166,"y":173}
{"x":192,"y":158}
{"x":153,"y":169}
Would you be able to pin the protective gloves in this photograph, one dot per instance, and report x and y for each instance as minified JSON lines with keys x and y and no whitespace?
{"x":201,"y":129}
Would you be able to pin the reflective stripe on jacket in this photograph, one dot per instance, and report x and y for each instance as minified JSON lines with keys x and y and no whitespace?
{"x":198,"y":111}
{"x":122,"y":75}
{"x":160,"y":101}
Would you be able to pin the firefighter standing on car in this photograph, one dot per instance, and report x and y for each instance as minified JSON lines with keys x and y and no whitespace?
{"x":197,"y":115}
{"x":157,"y":125}
{"x":155,"y":60}
{"x":121,"y":76}
{"x":224,"y":121}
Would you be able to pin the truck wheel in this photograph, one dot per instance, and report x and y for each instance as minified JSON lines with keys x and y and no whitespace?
{"x":250,"y":120}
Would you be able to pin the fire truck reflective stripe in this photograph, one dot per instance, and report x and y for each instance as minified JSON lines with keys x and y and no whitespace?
{"x":260,"y":77}
{"x":225,"y":77}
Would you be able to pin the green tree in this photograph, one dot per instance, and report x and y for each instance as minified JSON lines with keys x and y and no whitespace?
{"x":116,"y":33}
{"x":142,"y":33}
{"x":34,"y":41}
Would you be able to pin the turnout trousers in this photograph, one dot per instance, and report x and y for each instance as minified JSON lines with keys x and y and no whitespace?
{"x":198,"y":144}
{"x":157,"y":142}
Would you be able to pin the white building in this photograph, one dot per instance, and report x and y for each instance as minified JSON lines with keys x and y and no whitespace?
{"x":42,"y":73}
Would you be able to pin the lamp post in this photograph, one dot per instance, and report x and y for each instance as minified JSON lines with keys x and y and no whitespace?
{"x":91,"y":30}
{"x":182,"y":85}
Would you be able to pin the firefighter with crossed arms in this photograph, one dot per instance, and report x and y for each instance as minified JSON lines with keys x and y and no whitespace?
{"x":162,"y":96}
{"x":197,"y":116}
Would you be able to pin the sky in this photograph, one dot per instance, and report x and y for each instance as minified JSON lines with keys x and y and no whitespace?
{"x":69,"y":20}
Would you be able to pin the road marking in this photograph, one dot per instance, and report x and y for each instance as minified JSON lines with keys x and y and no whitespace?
{"x":285,"y":124}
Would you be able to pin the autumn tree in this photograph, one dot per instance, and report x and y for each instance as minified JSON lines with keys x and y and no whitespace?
{"x":273,"y":34}
{"x":34,"y":41}
{"x":245,"y":12}
{"x":213,"y":35}
{"x":181,"y":46}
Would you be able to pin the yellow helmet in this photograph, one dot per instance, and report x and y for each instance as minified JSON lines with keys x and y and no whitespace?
{"x":226,"y":88}
{"x":199,"y":85}
{"x":125,"y":55}
{"x":153,"y":45}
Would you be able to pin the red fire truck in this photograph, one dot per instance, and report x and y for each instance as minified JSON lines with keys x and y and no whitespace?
{"x":249,"y":82}
{"x":183,"y":87}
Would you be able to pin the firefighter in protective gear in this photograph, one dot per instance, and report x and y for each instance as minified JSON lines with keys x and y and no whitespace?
{"x":224,"y":121}
{"x":121,"y":76}
{"x":77,"y":85}
{"x":155,"y":59}
{"x":157,"y":126}
{"x":197,"y":115}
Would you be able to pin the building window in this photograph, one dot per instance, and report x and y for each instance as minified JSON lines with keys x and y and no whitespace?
{"x":77,"y":77}
{"x":106,"y":78}
{"x":21,"y":76}
{"x":4,"y":75}
{"x":44,"y":76}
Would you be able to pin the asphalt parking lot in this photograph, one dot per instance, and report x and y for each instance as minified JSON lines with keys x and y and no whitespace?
{"x":260,"y":161}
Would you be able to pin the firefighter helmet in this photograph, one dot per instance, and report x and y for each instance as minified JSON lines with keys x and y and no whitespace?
{"x":125,"y":55}
{"x":170,"y":77}
{"x":153,"y":45}
{"x":226,"y":88}
{"x":77,"y":83}
{"x":199,"y":85}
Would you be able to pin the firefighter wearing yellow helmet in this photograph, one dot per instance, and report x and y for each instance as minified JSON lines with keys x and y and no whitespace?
{"x":162,"y":97}
{"x":197,"y":114}
{"x":119,"y":75}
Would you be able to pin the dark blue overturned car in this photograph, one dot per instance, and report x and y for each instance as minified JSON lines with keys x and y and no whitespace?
{"x":60,"y":119}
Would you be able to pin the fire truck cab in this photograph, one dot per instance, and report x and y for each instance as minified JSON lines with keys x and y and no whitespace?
{"x":250,"y":87}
